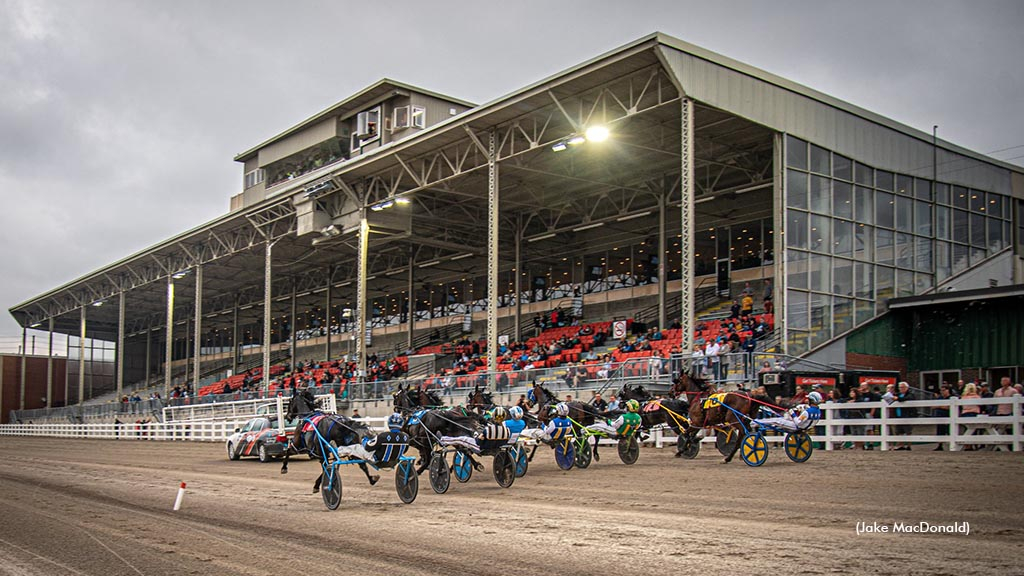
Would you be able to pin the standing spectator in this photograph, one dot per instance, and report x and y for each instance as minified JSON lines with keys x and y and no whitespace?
{"x":711,"y":353}
{"x":768,"y":305}
{"x":698,"y":361}
{"x":747,"y":306}
{"x":945,"y":393}
{"x":749,"y":346}
{"x":734,"y":310}
{"x":522,"y":402}
{"x":355,"y":413}
{"x":904,"y":394}
{"x":599,"y":402}
{"x":613,"y":403}
{"x":866,"y":394}
{"x":800,"y":397}
{"x":985,"y":392}
{"x":1005,"y":391}
{"x":852,"y":429}
{"x":970,"y":393}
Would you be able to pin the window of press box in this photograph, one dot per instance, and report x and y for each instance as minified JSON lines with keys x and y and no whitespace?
{"x":419,"y":117}
{"x":400,"y":117}
{"x":367,"y":126}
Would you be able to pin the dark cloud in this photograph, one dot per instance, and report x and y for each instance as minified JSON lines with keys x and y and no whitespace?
{"x":119,"y":119}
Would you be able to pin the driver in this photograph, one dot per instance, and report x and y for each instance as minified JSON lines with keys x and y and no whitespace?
{"x":622,"y":427}
{"x":384,"y":449}
{"x":516,"y":424}
{"x":800,"y":417}
{"x":558,"y":428}
{"x":495,"y":434}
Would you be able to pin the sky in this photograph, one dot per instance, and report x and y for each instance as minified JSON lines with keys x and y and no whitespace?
{"x":119,"y":119}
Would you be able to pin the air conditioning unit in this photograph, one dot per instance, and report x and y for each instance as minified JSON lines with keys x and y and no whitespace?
{"x":770,"y":379}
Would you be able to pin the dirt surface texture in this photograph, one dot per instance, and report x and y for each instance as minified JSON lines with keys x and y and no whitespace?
{"x":105,"y":508}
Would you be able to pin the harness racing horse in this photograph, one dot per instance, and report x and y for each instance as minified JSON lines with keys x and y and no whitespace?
{"x":671,"y":412}
{"x":407,"y":400}
{"x":580,"y":413}
{"x":335,"y":429}
{"x":426,"y":427}
{"x":479,"y":400}
{"x":714,"y":410}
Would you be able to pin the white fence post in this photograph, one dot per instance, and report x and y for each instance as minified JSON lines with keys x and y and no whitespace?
{"x":1017,"y":440}
{"x":828,"y":408}
{"x":884,"y":432}
{"x":954,"y":425}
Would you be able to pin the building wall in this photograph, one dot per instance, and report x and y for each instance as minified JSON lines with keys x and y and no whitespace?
{"x":35,"y":383}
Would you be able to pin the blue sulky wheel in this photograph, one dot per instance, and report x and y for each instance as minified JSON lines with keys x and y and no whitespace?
{"x":754,"y":449}
{"x":330,"y":489}
{"x":798,"y":446}
{"x":522,"y":464}
{"x":407,"y":483}
{"x":440,"y":478}
{"x":462,"y":467}
{"x":565,"y":454}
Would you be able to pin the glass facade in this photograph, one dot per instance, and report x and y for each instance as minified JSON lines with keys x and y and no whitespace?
{"x":856,"y":237}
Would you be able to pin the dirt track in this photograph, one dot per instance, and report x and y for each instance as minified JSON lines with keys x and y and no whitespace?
{"x":104,"y":508}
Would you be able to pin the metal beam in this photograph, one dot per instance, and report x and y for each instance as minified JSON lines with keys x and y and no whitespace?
{"x":329,"y":316}
{"x":24,"y":366}
{"x":267,"y":303}
{"x":49,"y":370}
{"x":493,"y":223}
{"x":361,"y":323}
{"x":198,"y":327}
{"x":662,"y":257}
{"x":686,"y":223}
{"x":120,"y":344}
{"x":169,"y":344}
{"x":81,"y":357}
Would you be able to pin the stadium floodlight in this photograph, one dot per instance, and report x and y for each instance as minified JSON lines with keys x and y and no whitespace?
{"x":330,"y":231}
{"x":98,"y":303}
{"x":431,"y":263}
{"x":575,"y":140}
{"x":541,"y":237}
{"x":597,"y":134}
{"x":382,"y":205}
{"x":36,"y":325}
{"x":461,"y":256}
{"x":587,"y":227}
{"x":180,"y":274}
{"x":632,"y":216}
{"x":402,"y":200}
{"x":559,"y":146}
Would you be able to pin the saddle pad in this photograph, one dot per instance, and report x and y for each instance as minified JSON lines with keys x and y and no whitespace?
{"x":714,"y":400}
{"x":652,"y":406}
{"x":312,"y":422}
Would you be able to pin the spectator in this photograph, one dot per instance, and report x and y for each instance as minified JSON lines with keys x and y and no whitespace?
{"x":568,"y":398}
{"x":747,"y":306}
{"x":800,"y":397}
{"x":599,"y":403}
{"x":613,"y":403}
{"x":945,"y":393}
{"x":1005,"y":391}
{"x":355,"y":413}
{"x":522,"y":403}
{"x":970,"y":393}
{"x":904,"y":394}
{"x":985,"y":392}
{"x":734,"y":311}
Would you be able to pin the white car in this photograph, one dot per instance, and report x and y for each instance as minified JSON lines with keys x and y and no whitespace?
{"x":259,"y":437}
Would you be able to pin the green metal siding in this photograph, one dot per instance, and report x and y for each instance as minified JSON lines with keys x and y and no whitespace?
{"x":885,"y":336}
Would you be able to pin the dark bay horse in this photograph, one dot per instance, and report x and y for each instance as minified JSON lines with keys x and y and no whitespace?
{"x":672,"y":412}
{"x":335,"y":429}
{"x":479,"y":400}
{"x":426,"y":427}
{"x":720,"y":414}
{"x":408,"y":399}
{"x":581,"y":413}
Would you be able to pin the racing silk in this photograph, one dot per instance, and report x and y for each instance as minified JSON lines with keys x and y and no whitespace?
{"x":387,"y":447}
{"x":514,"y":428}
{"x":626,"y":425}
{"x":558,"y":428}
{"x":493,"y":435}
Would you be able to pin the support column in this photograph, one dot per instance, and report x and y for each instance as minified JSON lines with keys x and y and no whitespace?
{"x":492,"y":258}
{"x":329,"y":316}
{"x":517,"y":276}
{"x":149,"y":345}
{"x":49,"y":370}
{"x":81,"y":357}
{"x":198,"y":329}
{"x":235,"y":348}
{"x":169,"y":347}
{"x":686,"y":230}
{"x":410,"y":303}
{"x":291,"y":327}
{"x":267,"y":319}
{"x":361,"y":324}
{"x":120,"y":344}
{"x":24,"y":365}
{"x":780,"y":284}
{"x":662,"y":267}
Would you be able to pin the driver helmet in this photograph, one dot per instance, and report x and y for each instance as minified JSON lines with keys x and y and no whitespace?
{"x":498,"y":414}
{"x":395,"y":421}
{"x":562,"y":409}
{"x":516,"y":413}
{"x":814,"y":398}
{"x":632,"y":405}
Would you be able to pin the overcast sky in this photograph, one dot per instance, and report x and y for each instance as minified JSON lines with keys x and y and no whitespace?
{"x":119,"y":120}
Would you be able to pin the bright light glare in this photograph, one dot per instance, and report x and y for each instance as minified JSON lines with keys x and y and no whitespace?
{"x":597,"y":133}
{"x":576,"y":140}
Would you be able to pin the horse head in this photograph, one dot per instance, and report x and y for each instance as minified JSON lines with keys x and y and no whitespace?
{"x":402,"y":401}
{"x":689,"y":384}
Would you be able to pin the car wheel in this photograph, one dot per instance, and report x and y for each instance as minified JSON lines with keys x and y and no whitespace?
{"x":263,"y":454}
{"x":231,"y":452}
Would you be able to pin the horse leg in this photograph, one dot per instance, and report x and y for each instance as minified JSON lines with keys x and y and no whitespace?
{"x":424,"y":462}
{"x":316,"y":485}
{"x":284,"y":465}
{"x":476,"y":465}
{"x":597,"y":457}
{"x":532,"y":452}
{"x":373,"y":479}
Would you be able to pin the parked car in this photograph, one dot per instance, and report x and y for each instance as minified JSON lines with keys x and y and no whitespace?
{"x":259,"y":437}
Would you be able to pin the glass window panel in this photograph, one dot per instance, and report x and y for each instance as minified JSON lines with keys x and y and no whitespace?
{"x":884,"y":180}
{"x":769,"y":240}
{"x":864,"y":175}
{"x":821,"y":319}
{"x":995,"y":235}
{"x":942,"y":193}
{"x":943,"y":267}
{"x":796,"y":189}
{"x":904,"y":214}
{"x":864,"y":200}
{"x":703,"y":252}
{"x":1007,"y":240}
{"x":821,"y":273}
{"x":961,"y":258}
{"x":961,"y":228}
{"x":796,"y":153}
{"x":922,"y":189}
{"x":796,"y":313}
{"x":904,"y":185}
{"x":820,"y":160}
{"x":904,"y":283}
{"x":842,"y":312}
{"x":960,"y":199}
{"x":922,"y":254}
{"x":904,"y":250}
{"x":864,"y":276}
{"x":885,"y":284}
{"x":922,"y":218}
{"x":798,"y":342}
{"x":821,"y":194}
{"x":842,"y":167}
{"x":796,"y":267}
{"x":922,"y":283}
{"x":821,"y":233}
{"x":746,"y":245}
{"x":842,"y":238}
{"x":865,"y":311}
{"x":842,"y":200}
{"x":796,"y":229}
{"x":977,"y":201}
{"x":863,"y":242}
{"x":995,"y":205}
{"x":884,"y":252}
{"x":942,"y":228}
{"x":977,"y":255}
{"x":884,"y":209}
{"x":722,"y":241}
{"x":843,"y":272}
{"x":977,"y":230}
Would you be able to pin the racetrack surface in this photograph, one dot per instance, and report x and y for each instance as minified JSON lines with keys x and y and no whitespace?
{"x":104,"y":508}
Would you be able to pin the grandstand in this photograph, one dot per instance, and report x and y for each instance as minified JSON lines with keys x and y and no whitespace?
{"x":651,"y":185}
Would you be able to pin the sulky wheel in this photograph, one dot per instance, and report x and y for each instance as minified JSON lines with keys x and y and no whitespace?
{"x":330,"y":489}
{"x":798,"y":446}
{"x":504,"y":469}
{"x":462,"y":466}
{"x":565,"y":454}
{"x":521,"y":459}
{"x":726,"y":441}
{"x":688,"y":446}
{"x":754,"y":449}
{"x":584,"y":454}
{"x":440,"y":478}
{"x":629,"y":450}
{"x":407,"y":483}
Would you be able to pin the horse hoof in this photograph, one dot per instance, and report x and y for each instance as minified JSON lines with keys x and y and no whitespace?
{"x":679,"y":454}
{"x":478,"y":467}
{"x":597,"y":457}
{"x":374,"y":479}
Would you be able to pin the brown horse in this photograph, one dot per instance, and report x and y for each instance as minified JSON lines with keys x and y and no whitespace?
{"x":722,"y":413}
{"x":581,"y":413}
{"x":479,"y":400}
